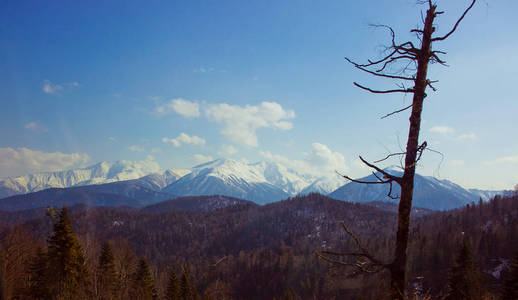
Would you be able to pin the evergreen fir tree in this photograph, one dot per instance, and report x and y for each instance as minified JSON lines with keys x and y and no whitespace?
{"x":510,"y":288}
{"x":67,"y":274}
{"x":465,"y":278}
{"x":3,"y":285}
{"x":173,"y":287}
{"x":186,"y":292}
{"x":38,"y":275}
{"x":106,"y":273}
{"x":143,"y":286}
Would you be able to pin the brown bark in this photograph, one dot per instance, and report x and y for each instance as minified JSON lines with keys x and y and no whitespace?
{"x":420,"y":58}
{"x":398,"y":266}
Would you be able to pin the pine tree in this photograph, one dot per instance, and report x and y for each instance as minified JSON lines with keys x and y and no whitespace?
{"x":465,"y":279}
{"x":143,"y":285}
{"x":38,"y":275}
{"x":106,"y":273}
{"x":510,"y":288}
{"x":173,"y":287}
{"x":67,"y":274}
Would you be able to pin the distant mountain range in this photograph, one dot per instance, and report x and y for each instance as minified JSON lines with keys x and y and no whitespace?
{"x":103,"y":172}
{"x":137,"y":185}
{"x":429,"y":192}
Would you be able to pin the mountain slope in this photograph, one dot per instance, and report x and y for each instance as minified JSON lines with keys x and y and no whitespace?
{"x":196,"y":204}
{"x":323,"y":185}
{"x":103,"y":172}
{"x":123,"y":193}
{"x":429,"y":192}
{"x":229,"y":178}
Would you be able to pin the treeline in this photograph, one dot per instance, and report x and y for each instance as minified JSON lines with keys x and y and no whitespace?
{"x":248,"y":252}
{"x":60,"y":271}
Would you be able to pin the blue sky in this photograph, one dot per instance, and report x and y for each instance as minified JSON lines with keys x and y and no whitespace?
{"x":180,"y":82}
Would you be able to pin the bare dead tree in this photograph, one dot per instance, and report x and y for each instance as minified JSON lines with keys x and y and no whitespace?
{"x":412,"y":64}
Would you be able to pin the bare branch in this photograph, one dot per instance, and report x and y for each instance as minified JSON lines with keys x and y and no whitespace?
{"x":219,"y":261}
{"x":361,"y":181}
{"x":383,"y":91}
{"x":389,"y":194}
{"x":364,"y":262}
{"x":393,"y":59}
{"x":362,"y":67}
{"x":442,"y":38}
{"x":385,"y":174}
{"x":389,"y":156}
{"x":395,"y":112}
{"x":429,"y":83}
{"x":435,"y":58}
{"x":360,"y":265}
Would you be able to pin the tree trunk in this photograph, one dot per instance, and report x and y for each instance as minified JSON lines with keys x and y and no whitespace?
{"x":398,"y":266}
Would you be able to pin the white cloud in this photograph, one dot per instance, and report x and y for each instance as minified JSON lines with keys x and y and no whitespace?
{"x":185,"y":108}
{"x":136,"y":148}
{"x":31,"y":125}
{"x":321,"y":156}
{"x":200,"y":158}
{"x":204,"y":70}
{"x":513,"y":159}
{"x":112,"y":139}
{"x":54,"y":88}
{"x":34,"y":126}
{"x":19,"y":161}
{"x":240,"y":123}
{"x":319,"y":161}
{"x":442,"y":130}
{"x":184,"y":139}
{"x":227,"y":150}
{"x":50,"y":88}
{"x":467,"y":136}
{"x":156,"y":150}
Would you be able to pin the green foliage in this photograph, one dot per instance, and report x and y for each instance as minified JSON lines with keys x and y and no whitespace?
{"x":143,"y":285}
{"x":106,"y":273}
{"x":465,"y":279}
{"x":67,"y":275}
{"x":510,"y":288}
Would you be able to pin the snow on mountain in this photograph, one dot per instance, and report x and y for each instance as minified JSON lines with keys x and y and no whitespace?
{"x":261,"y":182}
{"x":429,"y":192}
{"x":281,"y":176}
{"x":230,"y":178}
{"x":324,"y":185}
{"x":158,"y":181}
{"x":488,"y":195}
{"x":103,"y":172}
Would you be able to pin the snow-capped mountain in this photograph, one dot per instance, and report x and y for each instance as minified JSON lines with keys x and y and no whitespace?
{"x":429,"y":192}
{"x":260,"y":182}
{"x":289,"y":180}
{"x":103,"y":172}
{"x":158,"y":181}
{"x":488,"y":195}
{"x":324,"y":185}
{"x":143,"y":183}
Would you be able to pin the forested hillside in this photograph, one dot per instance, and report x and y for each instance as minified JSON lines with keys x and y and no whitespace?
{"x":251,"y":252}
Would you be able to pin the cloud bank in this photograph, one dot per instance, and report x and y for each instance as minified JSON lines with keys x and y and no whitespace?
{"x":184,"y":138}
{"x":240,"y":123}
{"x":20,"y":161}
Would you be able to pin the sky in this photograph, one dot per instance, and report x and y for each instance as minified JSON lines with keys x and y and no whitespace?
{"x":180,"y":83}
